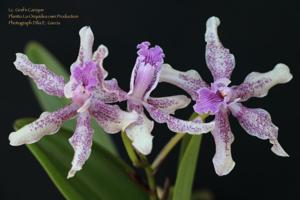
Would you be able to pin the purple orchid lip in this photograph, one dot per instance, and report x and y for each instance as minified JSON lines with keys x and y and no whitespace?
{"x":85,"y":81}
{"x":210,"y":99}
{"x":146,"y":70}
{"x":86,"y":75}
{"x":153,"y":55}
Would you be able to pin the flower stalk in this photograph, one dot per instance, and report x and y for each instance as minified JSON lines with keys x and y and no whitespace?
{"x":140,"y":161}
{"x":150,"y":178}
{"x":129,"y":149}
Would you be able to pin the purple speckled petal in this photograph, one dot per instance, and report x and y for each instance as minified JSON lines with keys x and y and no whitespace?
{"x":140,"y":134}
{"x":219,"y":60}
{"x":145,"y":74}
{"x":258,"y":122}
{"x":81,"y":142}
{"x":45,"y":80}
{"x":190,"y":81}
{"x":47,"y":124}
{"x":178,"y":125}
{"x":86,"y":45}
{"x":169,"y":104}
{"x":208,"y":101}
{"x":110,"y":117}
{"x":110,"y":92}
{"x":113,"y":93}
{"x":223,"y":138}
{"x":99,"y":55}
{"x":135,"y":104}
{"x":70,"y":87}
{"x":258,"y":84}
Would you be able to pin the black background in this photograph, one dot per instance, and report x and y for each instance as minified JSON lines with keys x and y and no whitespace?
{"x":259,"y":33}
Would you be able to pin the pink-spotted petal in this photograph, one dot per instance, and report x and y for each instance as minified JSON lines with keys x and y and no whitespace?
{"x":112,"y":87}
{"x":223,"y":138}
{"x":81,"y":142}
{"x":47,"y":124}
{"x":218,"y":59}
{"x":110,"y":117}
{"x":178,"y":125}
{"x":169,"y":104}
{"x":99,"y":55}
{"x":86,"y":45}
{"x":69,"y":88}
{"x":190,"y":81}
{"x":258,"y":122}
{"x":135,"y":104}
{"x":110,"y":92}
{"x":258,"y":84}
{"x":140,"y":134}
{"x":45,"y":80}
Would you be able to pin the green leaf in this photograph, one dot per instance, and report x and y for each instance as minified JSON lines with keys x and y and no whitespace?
{"x":188,"y":156}
{"x":185,"y":140}
{"x":186,"y":170}
{"x":203,"y":194}
{"x":183,"y":145}
{"x":39,"y":54}
{"x":103,"y":177}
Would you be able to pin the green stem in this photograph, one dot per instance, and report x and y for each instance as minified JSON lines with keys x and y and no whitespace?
{"x":150,"y":178}
{"x":166,"y":150}
{"x":130,"y":151}
{"x":140,"y":162}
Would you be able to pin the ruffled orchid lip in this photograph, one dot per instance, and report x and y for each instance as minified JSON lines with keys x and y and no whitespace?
{"x":153,"y":55}
{"x":84,"y":80}
{"x":210,"y":99}
{"x":86,"y":74}
{"x":146,"y":72}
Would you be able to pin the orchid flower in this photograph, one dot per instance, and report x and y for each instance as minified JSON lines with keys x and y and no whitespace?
{"x":220,"y":99}
{"x":144,"y":79}
{"x":90,"y":94}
